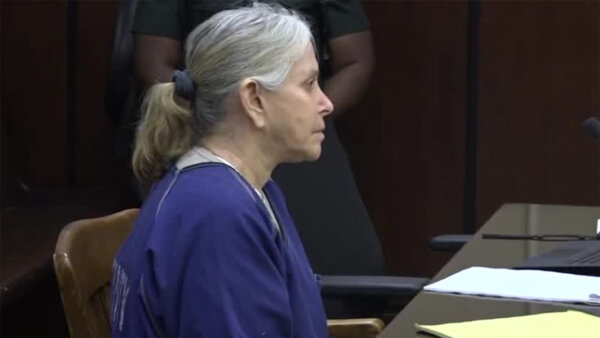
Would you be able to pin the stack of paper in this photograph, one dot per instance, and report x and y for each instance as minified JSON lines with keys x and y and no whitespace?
{"x":522,"y":284}
{"x":546,"y":325}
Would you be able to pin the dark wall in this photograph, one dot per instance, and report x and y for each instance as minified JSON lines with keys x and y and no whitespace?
{"x":34,"y":79}
{"x":95,"y":21}
{"x":538,"y":78}
{"x":54,"y":143}
{"x":36,"y":146}
{"x":406,"y":142}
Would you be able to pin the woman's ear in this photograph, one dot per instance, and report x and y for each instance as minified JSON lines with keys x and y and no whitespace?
{"x":251,"y":101}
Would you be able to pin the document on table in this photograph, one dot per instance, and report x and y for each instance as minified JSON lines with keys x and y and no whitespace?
{"x":546,"y":325}
{"x":521,"y":284}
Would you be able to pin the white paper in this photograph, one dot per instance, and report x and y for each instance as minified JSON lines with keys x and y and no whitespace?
{"x":521,"y":284}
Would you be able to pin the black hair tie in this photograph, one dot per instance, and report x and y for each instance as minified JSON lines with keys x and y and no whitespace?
{"x":184,"y":85}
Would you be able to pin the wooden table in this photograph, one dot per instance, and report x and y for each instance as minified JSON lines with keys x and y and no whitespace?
{"x":514,"y":219}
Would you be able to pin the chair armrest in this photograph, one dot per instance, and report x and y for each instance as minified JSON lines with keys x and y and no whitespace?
{"x":449,"y":242}
{"x":360,"y":327}
{"x":385,"y":286}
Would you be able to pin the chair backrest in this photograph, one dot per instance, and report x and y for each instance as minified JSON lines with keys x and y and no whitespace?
{"x":83,"y":263}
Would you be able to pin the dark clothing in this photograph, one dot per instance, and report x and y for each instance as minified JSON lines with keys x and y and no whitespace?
{"x":176,"y":18}
{"x":206,"y":260}
{"x":322,"y":196}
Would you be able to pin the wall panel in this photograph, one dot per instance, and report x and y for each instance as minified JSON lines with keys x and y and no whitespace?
{"x":406,"y":142}
{"x":33,"y":77}
{"x":539,"y":80}
{"x":96,"y":20}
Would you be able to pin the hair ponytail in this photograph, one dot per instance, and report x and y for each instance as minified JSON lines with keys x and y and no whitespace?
{"x":166,"y":132}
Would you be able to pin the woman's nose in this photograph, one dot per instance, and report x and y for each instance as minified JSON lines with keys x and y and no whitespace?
{"x":326,"y":104}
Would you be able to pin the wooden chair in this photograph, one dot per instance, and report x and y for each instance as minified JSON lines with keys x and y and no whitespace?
{"x":83,"y":263}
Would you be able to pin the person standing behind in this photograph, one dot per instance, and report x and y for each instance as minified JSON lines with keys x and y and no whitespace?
{"x":322,"y":196}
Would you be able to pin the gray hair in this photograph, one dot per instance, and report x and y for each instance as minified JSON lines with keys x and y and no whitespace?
{"x":260,"y":42}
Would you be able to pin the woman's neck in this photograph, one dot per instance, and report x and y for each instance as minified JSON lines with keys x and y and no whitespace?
{"x":249,"y":162}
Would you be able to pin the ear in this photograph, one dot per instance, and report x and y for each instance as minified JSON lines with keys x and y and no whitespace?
{"x":251,"y":102}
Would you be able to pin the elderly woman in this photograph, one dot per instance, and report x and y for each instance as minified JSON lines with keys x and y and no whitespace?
{"x":214,"y":252}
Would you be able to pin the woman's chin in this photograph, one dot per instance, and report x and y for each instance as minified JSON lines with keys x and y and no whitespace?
{"x":314,"y":155}
{"x":310,"y":155}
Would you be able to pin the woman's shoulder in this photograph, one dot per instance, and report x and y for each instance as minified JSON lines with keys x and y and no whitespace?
{"x":213,"y":184}
{"x":212,"y":198}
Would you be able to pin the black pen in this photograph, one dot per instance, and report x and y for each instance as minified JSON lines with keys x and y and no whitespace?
{"x":552,"y":237}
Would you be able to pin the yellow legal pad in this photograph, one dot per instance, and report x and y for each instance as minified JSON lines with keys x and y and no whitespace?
{"x":547,"y":325}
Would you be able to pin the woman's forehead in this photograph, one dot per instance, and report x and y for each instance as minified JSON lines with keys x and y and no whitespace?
{"x":307,"y":65}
